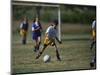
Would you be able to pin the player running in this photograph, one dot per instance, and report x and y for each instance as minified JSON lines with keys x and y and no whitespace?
{"x":36,"y":33}
{"x":24,"y":29}
{"x":50,"y":36}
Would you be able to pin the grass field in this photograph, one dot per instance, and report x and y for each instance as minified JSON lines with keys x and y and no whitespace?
{"x":74,"y":51}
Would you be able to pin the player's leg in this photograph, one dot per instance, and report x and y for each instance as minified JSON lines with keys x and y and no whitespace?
{"x":93,"y":44}
{"x":24,"y":39}
{"x":35,"y":39}
{"x":22,"y":36}
{"x":41,"y":51}
{"x":35,"y":46}
{"x":46,"y":43}
{"x":93,"y":62}
{"x":57,"y":53}
{"x":38,"y":42}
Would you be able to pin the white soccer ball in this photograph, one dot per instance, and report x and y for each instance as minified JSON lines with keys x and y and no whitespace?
{"x":46,"y":58}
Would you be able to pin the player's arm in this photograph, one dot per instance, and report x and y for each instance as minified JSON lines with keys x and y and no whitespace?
{"x":21,"y":25}
{"x":41,"y":29}
{"x":58,"y":40}
{"x":56,"y":37}
{"x":35,"y":29}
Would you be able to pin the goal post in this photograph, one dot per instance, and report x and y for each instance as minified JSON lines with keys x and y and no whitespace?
{"x":32,"y":3}
{"x":59,"y":23}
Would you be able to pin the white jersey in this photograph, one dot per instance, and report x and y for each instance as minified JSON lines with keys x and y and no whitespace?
{"x":52,"y":33}
{"x":21,"y":25}
{"x":93,"y":24}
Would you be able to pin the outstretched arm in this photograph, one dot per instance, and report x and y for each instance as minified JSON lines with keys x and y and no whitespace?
{"x":58,"y":40}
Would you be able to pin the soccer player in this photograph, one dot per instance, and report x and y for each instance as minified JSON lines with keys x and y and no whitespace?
{"x":93,"y":34}
{"x":36,"y":33}
{"x":24,"y":29}
{"x":50,"y":36}
{"x":92,"y":63}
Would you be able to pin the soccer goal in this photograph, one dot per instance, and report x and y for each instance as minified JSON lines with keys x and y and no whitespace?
{"x":38,"y":5}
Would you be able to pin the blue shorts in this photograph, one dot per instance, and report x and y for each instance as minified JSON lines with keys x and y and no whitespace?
{"x":35,"y":36}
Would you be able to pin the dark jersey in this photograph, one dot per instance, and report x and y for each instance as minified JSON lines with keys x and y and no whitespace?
{"x":24,"y":26}
{"x":37,"y":33}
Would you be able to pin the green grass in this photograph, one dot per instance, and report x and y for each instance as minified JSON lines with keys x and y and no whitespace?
{"x":74,"y":51}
